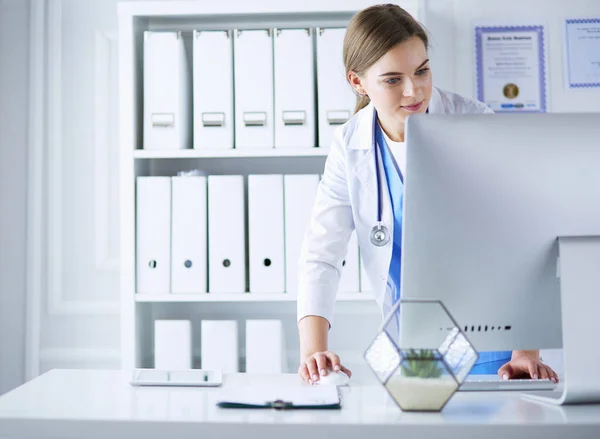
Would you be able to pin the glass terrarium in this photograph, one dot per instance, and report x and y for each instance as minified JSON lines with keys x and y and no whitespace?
{"x":420,"y":355}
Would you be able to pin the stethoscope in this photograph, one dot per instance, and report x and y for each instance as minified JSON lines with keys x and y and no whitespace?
{"x":380,"y":235}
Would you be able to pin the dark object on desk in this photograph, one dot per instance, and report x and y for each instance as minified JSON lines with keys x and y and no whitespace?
{"x":289,"y":397}
{"x":278,"y":405}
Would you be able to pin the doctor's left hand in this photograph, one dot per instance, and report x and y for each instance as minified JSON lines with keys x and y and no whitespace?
{"x":527,"y":364}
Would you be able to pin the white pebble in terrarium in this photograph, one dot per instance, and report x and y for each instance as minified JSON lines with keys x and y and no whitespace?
{"x":421,"y":382}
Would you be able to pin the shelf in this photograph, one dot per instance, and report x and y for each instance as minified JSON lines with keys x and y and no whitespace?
{"x":241,"y":297}
{"x":230,"y":153}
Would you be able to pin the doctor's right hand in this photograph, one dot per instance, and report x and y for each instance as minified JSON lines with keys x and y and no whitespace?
{"x":317,"y":364}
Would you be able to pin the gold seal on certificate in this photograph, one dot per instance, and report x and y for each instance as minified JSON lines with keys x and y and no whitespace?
{"x":511,"y":91}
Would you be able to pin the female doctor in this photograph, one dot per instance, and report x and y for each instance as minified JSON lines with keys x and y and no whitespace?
{"x":385,"y":55}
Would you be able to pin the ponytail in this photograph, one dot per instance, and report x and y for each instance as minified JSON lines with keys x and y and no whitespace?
{"x":361,"y":102}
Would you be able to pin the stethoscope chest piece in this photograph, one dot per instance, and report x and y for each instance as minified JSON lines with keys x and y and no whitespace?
{"x":380,"y":235}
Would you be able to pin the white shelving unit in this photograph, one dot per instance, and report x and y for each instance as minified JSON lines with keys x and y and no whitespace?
{"x":231,"y":153}
{"x":239,"y":297}
{"x":138,"y":311}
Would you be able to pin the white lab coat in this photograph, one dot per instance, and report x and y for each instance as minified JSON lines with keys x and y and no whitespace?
{"x":347,"y":200}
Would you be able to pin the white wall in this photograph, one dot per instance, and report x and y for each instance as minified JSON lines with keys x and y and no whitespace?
{"x":79,"y":299}
{"x":14,"y":53}
{"x":451,"y":25}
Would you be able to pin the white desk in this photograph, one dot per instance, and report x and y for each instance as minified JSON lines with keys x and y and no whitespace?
{"x":102,"y":404}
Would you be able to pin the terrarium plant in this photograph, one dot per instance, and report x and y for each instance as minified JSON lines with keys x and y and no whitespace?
{"x":421,"y":363}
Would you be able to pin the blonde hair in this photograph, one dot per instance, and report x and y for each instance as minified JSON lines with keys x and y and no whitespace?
{"x":371,"y":33}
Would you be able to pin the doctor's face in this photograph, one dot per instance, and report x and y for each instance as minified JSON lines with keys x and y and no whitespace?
{"x":399,"y":83}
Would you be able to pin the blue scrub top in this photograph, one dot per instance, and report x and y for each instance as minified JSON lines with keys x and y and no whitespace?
{"x":489,"y":362}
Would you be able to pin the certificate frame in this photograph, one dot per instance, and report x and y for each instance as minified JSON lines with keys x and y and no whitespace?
{"x":538,"y":62}
{"x":569,"y":82}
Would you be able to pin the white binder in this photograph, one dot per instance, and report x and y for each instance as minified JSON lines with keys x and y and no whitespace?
{"x":266,"y":236}
{"x":172,"y":344}
{"x":188,"y":235}
{"x":153,"y":235}
{"x":219,"y":345}
{"x":226,"y":234}
{"x":265,"y":351}
{"x":213,"y":89}
{"x":336,"y":97}
{"x":253,"y":72}
{"x":300,"y":193}
{"x":294,"y":89}
{"x":167,"y":92}
{"x":349,"y":282}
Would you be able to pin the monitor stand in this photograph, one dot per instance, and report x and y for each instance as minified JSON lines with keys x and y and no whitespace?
{"x":579,"y":273}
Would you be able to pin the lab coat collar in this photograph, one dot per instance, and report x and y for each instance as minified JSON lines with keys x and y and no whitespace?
{"x":361,"y":142}
{"x":363,"y":138}
{"x":436,"y":105}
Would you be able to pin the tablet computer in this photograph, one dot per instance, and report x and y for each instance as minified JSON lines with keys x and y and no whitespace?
{"x":190,"y":378}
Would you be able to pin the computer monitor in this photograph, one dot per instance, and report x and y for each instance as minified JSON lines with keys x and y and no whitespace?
{"x":485,"y":198}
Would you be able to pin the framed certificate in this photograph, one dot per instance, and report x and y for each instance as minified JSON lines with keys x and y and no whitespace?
{"x":582,"y":53}
{"x":511,"y":69}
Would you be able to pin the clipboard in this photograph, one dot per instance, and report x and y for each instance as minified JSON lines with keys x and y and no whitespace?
{"x":282,"y":398}
{"x":277,"y":405}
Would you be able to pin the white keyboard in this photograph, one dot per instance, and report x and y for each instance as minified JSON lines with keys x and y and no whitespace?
{"x":474,"y":384}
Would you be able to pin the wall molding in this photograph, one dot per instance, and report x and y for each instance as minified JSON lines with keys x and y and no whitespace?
{"x":57,"y":304}
{"x":53,"y":110}
{"x":35,"y":184}
{"x":105,"y":145}
{"x":44,"y":194}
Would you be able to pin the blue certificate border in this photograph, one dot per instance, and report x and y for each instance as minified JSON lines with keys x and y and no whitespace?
{"x":480,"y":30}
{"x":567,"y":23}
